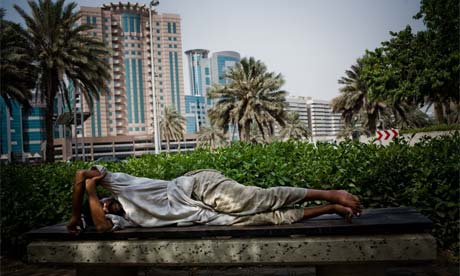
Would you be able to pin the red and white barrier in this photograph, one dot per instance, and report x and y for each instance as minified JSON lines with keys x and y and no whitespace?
{"x":387,"y":134}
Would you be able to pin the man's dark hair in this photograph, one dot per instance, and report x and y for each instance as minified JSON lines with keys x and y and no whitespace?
{"x":115,"y":207}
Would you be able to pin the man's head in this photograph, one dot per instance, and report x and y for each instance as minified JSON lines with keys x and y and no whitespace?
{"x":112,"y":206}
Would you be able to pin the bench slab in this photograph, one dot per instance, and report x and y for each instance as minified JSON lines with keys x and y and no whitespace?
{"x":373,"y":221}
{"x":295,"y":250}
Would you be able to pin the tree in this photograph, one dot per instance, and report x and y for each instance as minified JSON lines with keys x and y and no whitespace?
{"x":210,"y":137}
{"x":294,"y":129}
{"x":64,"y":52}
{"x":17,"y":72}
{"x":253,"y":97}
{"x":421,"y":68}
{"x":171,"y":126}
{"x":354,"y":101}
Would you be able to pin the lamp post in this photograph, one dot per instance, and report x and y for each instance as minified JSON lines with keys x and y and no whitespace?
{"x":153,"y":4}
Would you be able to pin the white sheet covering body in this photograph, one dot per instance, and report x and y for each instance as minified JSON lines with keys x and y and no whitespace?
{"x":153,"y":203}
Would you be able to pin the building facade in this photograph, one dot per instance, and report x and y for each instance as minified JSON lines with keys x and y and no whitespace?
{"x":22,"y":133}
{"x":324,"y":124}
{"x":204,"y":72}
{"x":126,"y":109}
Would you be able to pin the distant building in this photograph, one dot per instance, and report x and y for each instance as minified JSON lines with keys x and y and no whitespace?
{"x":204,"y":72}
{"x":318,"y":116}
{"x":199,"y":67}
{"x":127,"y":108}
{"x":324,"y":124}
{"x":22,"y":133}
{"x":220,"y":63}
{"x":300,"y":106}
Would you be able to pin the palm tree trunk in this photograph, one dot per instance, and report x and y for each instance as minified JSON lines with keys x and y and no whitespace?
{"x":247,"y":131}
{"x":439,"y":112}
{"x":448,"y":111}
{"x":51,"y":91}
{"x":167,"y":144}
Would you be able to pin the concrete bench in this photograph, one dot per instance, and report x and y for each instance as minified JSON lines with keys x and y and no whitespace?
{"x":380,"y":238}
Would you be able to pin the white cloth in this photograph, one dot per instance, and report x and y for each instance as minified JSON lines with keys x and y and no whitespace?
{"x":203,"y":197}
{"x":152,"y":203}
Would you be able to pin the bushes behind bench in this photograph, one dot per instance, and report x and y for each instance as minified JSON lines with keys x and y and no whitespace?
{"x":425,"y":175}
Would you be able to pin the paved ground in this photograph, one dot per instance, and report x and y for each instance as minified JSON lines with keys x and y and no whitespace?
{"x":12,"y":267}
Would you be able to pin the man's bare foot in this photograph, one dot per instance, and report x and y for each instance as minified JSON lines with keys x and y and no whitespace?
{"x":345,"y":212}
{"x":346,"y":199}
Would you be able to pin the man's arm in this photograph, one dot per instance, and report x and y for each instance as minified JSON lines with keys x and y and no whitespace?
{"x":97,"y":212}
{"x":77,"y":198}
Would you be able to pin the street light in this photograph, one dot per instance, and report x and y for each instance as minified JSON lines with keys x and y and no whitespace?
{"x":153,"y":4}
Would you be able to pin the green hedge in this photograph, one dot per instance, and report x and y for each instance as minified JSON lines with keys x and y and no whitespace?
{"x":443,"y":127}
{"x":425,"y":175}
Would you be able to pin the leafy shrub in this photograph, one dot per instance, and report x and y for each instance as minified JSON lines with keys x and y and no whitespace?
{"x":442,"y":127}
{"x":425,"y":176}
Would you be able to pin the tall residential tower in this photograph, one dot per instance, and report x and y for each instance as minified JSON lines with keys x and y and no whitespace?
{"x":127,"y":108}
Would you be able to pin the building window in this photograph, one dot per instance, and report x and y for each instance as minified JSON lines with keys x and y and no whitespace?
{"x":126,"y":52}
{"x":126,"y":44}
{"x":175,"y":46}
{"x":206,"y":70}
{"x":159,"y":60}
{"x":169,"y":38}
{"x":161,"y":97}
{"x":159,"y":53}
{"x":111,"y":129}
{"x":169,"y":45}
{"x":161,"y":83}
{"x":106,"y":35}
{"x":159,"y":46}
{"x":106,"y":20}
{"x":159,"y":68}
{"x":158,"y":38}
{"x":157,"y":23}
{"x":106,"y":27}
{"x":94,"y":20}
{"x":169,"y":27}
{"x":132,"y":45}
{"x":88,"y":20}
{"x":138,"y":52}
{"x":110,"y":122}
{"x":158,"y":31}
{"x":125,"y":37}
{"x":137,"y":129}
{"x":174,"y":38}
{"x":143,"y":128}
{"x":94,"y":33}
{"x":174,"y":27}
{"x":161,"y":90}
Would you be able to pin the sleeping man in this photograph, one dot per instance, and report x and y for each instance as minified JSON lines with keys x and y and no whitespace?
{"x":199,"y":197}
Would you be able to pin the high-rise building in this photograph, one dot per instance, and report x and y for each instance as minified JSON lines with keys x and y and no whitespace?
{"x":220,"y":63}
{"x":126,"y":109}
{"x":204,"y":72}
{"x":200,"y":71}
{"x":300,"y":106}
{"x":324,"y":124}
{"x":22,"y":133}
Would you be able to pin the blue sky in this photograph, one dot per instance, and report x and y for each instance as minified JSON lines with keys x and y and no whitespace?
{"x":310,"y":42}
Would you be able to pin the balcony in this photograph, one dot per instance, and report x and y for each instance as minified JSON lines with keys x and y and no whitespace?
{"x":114,"y":39}
{"x":116,"y":61}
{"x":114,"y":30}
{"x":117,"y":85}
{"x":114,"y":23}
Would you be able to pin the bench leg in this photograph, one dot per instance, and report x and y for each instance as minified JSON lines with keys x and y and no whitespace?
{"x":351,"y":270}
{"x":108,"y":270}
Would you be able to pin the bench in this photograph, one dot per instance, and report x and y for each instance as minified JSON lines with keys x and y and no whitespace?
{"x":379,"y":239}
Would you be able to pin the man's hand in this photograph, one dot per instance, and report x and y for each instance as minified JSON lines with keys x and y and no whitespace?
{"x":75,"y":226}
{"x":90,"y":183}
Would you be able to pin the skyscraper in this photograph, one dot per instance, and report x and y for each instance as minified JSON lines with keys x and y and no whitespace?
{"x":204,"y":72}
{"x":127,"y":108}
{"x":199,"y":67}
{"x":221,"y":62}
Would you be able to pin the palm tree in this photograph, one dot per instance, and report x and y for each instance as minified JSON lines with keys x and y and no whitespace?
{"x":17,"y":73}
{"x":354,"y":100}
{"x":171,"y":126}
{"x":253,"y":97}
{"x":64,"y":52}
{"x":210,"y":137}
{"x":294,"y":129}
